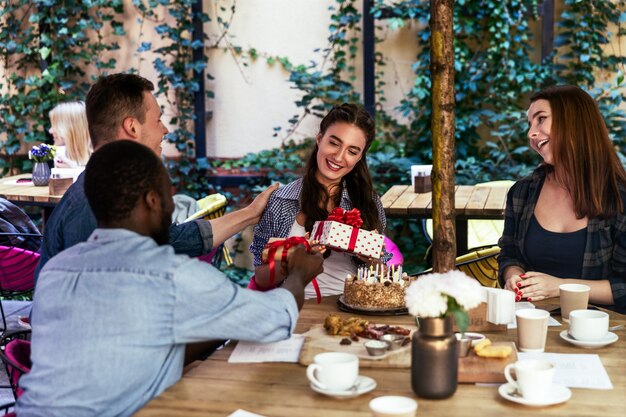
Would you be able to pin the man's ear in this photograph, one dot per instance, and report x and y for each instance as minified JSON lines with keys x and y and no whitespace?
{"x":129,"y":126}
{"x":152,"y":200}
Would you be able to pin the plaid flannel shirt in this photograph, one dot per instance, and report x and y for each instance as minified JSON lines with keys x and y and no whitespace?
{"x":281,"y":211}
{"x":605,"y":250}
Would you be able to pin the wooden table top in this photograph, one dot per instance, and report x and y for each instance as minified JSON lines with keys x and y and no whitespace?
{"x":26,"y":194}
{"x":217,"y":388}
{"x":484,"y":201}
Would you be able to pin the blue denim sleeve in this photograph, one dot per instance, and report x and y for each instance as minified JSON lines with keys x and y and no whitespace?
{"x":192,"y":238}
{"x":207,"y":305}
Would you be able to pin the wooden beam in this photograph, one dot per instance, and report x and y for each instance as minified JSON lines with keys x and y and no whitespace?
{"x":442,"y":127}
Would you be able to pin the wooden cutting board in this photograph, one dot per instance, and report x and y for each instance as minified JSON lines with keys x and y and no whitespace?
{"x":317,"y":341}
{"x":471,"y":368}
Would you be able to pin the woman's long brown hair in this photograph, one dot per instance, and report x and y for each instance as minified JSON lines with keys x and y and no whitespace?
{"x":585,"y":161}
{"x":358,"y":182}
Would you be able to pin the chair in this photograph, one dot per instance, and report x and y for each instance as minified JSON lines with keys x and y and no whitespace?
{"x":17,"y":269}
{"x":481,"y":264}
{"x":212,"y":207}
{"x":15,"y":354}
{"x":396,"y":256}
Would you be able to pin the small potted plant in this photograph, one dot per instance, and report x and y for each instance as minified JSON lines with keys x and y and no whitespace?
{"x":41,"y":155}
{"x":434,"y":300}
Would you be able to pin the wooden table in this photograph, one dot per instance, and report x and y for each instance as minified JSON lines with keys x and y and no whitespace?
{"x":216,"y":388}
{"x":470,"y":202}
{"x":27,"y":194}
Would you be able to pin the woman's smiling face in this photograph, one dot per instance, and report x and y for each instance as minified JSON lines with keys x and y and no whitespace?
{"x":339,"y":150}
{"x":539,"y":126}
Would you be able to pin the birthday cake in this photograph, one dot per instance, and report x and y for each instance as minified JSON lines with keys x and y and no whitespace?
{"x":376,"y":290}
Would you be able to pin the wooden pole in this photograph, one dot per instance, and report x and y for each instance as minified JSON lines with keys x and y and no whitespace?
{"x":442,"y":125}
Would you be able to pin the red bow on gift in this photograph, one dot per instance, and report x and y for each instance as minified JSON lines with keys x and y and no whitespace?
{"x":350,"y":217}
{"x":286,"y":244}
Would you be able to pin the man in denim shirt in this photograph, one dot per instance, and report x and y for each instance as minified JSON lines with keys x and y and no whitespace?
{"x":121,"y":106}
{"x":111,"y":315}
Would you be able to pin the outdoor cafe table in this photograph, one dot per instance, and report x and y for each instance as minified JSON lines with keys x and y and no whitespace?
{"x":28,"y":194}
{"x":470,"y":202}
{"x":215,"y":387}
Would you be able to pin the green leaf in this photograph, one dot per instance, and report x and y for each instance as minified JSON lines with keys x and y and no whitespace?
{"x":44,"y":52}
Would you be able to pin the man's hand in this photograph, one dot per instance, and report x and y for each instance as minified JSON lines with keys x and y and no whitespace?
{"x":234,"y":222}
{"x":303,"y":267}
{"x":258,"y":205}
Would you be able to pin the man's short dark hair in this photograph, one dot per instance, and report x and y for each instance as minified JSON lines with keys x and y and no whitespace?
{"x":118,"y":175}
{"x":112,"y":99}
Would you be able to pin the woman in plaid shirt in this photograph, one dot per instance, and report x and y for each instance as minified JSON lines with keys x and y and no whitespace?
{"x":566,"y":222}
{"x":336,"y":175}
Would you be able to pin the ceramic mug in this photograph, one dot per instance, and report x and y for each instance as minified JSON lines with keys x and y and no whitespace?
{"x":334,"y":371}
{"x":393,"y":406}
{"x":588,"y":325}
{"x":533,"y":378}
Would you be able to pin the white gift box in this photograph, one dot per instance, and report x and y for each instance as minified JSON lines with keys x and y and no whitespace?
{"x":347,"y":238}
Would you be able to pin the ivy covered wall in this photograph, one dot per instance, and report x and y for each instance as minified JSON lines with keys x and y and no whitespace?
{"x":50,"y":50}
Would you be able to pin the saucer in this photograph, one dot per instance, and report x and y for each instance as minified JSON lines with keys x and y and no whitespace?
{"x":560,"y":394}
{"x":590,"y":344}
{"x":363,"y":384}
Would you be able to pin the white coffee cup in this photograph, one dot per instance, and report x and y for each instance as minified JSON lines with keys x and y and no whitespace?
{"x":334,"y":371}
{"x":533,"y":378}
{"x":588,"y":325}
{"x":393,"y":406}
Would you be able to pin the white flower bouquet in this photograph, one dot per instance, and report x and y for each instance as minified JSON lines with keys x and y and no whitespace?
{"x":441,"y":295}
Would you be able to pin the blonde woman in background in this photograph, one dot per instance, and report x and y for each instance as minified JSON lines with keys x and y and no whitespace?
{"x":70,"y":133}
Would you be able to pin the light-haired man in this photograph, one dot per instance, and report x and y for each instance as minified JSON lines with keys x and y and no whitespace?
{"x":122,"y":106}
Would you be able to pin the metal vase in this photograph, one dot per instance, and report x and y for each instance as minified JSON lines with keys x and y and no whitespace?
{"x":41,"y":173}
{"x":434,"y":362}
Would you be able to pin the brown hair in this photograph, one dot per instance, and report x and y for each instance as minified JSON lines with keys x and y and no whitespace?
{"x":112,"y":99}
{"x":358,"y":182}
{"x":585,"y":161}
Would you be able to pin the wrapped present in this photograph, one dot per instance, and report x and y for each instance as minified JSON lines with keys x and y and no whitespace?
{"x":341,"y":231}
{"x":278,"y":250}
{"x":281,"y":248}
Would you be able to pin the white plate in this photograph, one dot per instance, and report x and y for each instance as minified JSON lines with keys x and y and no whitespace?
{"x":590,"y":344}
{"x":560,"y":394}
{"x":363,"y":384}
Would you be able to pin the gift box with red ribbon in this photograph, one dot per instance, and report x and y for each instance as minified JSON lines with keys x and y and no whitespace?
{"x":278,"y":250}
{"x":341,"y":231}
{"x":281,"y":248}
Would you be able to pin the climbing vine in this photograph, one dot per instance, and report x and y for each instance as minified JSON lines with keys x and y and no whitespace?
{"x":44,"y":52}
{"x":47,"y":45}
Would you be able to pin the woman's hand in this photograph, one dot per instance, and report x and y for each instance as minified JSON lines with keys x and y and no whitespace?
{"x":537,"y":286}
{"x":60,"y":163}
{"x":513,"y":280}
{"x":513,"y":283}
